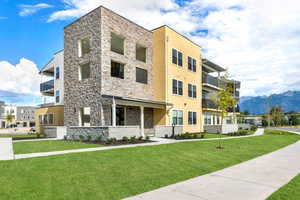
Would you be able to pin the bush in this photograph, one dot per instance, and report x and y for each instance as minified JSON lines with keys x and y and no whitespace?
{"x":253,"y":128}
{"x":114,"y":140}
{"x":140,"y":138}
{"x":132,"y":139}
{"x":166,"y":136}
{"x":125,"y":139}
{"x":81,"y":137}
{"x":89,"y":138}
{"x":99,"y":138}
{"x":65,"y":137}
{"x":38,"y":135}
{"x":195,"y":135}
{"x":147,"y":138}
{"x":202,"y":135}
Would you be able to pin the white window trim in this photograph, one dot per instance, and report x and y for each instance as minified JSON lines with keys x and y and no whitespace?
{"x":179,"y":95}
{"x":193,"y":118}
{"x":171,"y":118}
{"x":192,"y":97}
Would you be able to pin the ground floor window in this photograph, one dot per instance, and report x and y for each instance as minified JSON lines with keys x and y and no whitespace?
{"x":120,"y":116}
{"x":207,"y":119}
{"x":46,"y":119}
{"x":85,"y":116}
{"x":192,"y":118}
{"x":177,"y":117}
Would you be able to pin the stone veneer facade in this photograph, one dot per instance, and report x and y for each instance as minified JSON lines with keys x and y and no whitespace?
{"x":98,"y":26}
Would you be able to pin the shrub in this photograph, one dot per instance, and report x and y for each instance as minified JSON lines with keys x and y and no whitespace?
{"x":147,"y":138}
{"x":202,"y":135}
{"x":253,"y":128}
{"x":38,"y":135}
{"x":81,"y":137}
{"x":125,"y":139}
{"x":140,"y":138}
{"x":195,"y":135}
{"x":99,"y":138}
{"x":166,"y":136}
{"x":133,"y":139}
{"x":109,"y":141}
{"x":65,"y":137}
{"x":114,"y":140}
{"x":89,"y":138}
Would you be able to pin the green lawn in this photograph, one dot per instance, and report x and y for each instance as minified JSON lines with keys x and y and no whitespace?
{"x":119,"y":173}
{"x":290,"y":191}
{"x":213,"y":135}
{"x":21,"y":136}
{"x":48,"y":145}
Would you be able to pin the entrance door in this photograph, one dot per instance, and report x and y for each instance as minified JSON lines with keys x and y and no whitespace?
{"x":120,"y":116}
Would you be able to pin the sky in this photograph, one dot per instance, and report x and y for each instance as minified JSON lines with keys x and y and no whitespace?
{"x":258,"y":41}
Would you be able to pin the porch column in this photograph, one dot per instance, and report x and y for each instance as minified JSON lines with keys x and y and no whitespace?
{"x":142,"y":121}
{"x":113,"y":106}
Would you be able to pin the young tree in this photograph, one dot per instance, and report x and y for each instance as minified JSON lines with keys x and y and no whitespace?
{"x":9,"y":118}
{"x":224,"y":100}
{"x":277,"y":115}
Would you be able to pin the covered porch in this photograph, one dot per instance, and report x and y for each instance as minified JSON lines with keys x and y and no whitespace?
{"x":136,"y":112}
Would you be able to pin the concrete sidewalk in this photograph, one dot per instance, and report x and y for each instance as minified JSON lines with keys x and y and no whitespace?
{"x":6,"y":149}
{"x":156,"y":141}
{"x":251,"y":180}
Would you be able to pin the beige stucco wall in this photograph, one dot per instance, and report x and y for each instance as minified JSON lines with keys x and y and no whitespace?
{"x":58,"y":116}
{"x":165,"y":39}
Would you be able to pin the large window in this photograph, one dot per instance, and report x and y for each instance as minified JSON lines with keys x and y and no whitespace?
{"x":177,"y":87}
{"x":177,"y":57}
{"x":141,"y":75}
{"x":117,"y":70}
{"x":117,"y":44}
{"x":57,"y":96}
{"x":192,"y":91}
{"x":207,"y":119}
{"x":84,"y":71}
{"x":57,"y":72}
{"x":84,"y":46}
{"x":84,"y":116}
{"x":177,"y":117}
{"x":140,"y":53}
{"x":50,"y":119}
{"x":192,"y":64}
{"x":192,"y":118}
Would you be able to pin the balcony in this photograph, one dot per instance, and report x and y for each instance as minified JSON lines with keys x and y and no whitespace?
{"x":211,"y":81}
{"x":207,"y":103}
{"x":47,"y":86}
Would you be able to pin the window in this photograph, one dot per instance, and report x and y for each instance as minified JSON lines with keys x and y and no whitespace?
{"x":117,"y":70}
{"x":41,"y":119}
{"x":57,"y":72}
{"x":84,"y":46}
{"x":177,"y":117}
{"x":84,"y":116}
{"x":192,"y":64}
{"x":140,"y":53}
{"x":176,"y":57}
{"x":141,"y":75}
{"x":50,"y":119}
{"x":84,"y":71}
{"x":45,"y":119}
{"x":57,"y":96}
{"x":207,"y":119}
{"x":177,"y":87}
{"x":192,"y":118}
{"x":117,"y":44}
{"x":192,"y":91}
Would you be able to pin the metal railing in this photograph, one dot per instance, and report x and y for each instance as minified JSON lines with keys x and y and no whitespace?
{"x":207,"y":103}
{"x":47,"y":85}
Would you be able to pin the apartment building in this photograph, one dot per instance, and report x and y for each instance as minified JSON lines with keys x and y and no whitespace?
{"x":177,"y":81}
{"x":212,"y":82}
{"x":21,"y":116}
{"x":51,"y":111}
{"x":121,"y":79}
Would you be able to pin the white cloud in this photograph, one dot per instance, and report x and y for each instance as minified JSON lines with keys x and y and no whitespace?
{"x":259,"y":41}
{"x":22,"y":78}
{"x":31,"y":9}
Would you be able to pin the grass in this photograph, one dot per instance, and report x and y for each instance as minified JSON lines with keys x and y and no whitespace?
{"x":290,"y":191}
{"x":120,"y":173}
{"x":213,"y":135}
{"x":33,"y":136}
{"x":277,"y":132}
{"x":49,"y":145}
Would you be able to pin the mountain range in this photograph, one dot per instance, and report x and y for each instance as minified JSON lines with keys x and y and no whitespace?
{"x":289,"y":101}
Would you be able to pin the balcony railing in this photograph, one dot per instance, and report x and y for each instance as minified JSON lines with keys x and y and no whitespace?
{"x":211,"y":80}
{"x":47,"y":86}
{"x":207,"y":103}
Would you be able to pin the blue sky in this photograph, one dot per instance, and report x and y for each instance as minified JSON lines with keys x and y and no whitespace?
{"x":244,"y":36}
{"x":29,"y":36}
